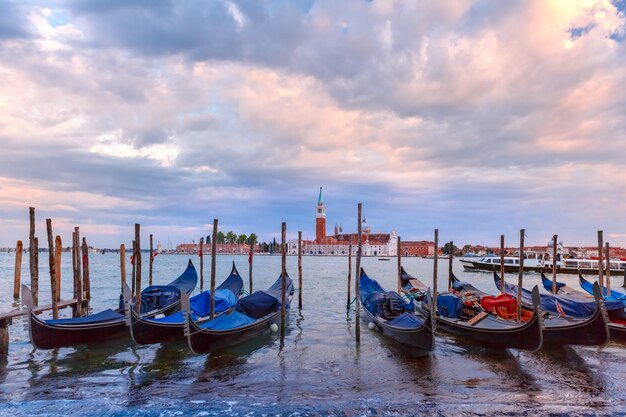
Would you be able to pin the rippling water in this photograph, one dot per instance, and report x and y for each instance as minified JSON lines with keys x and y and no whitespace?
{"x":318,"y":371}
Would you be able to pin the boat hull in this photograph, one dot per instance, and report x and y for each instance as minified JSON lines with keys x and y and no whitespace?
{"x":422,"y":337}
{"x":526,"y":336}
{"x":45,"y":336}
{"x":479,"y":266}
{"x":207,"y":341}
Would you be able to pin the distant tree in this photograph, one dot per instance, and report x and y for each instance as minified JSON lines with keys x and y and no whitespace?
{"x":251,"y":239}
{"x":466,"y":248}
{"x":241,"y":239}
{"x":208,"y":239}
{"x":220,"y":237}
{"x":446,"y":249}
{"x":231,"y":237}
{"x":274,"y":246}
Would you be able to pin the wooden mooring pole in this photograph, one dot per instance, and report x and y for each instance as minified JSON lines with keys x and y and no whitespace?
{"x":152,"y":259}
{"x":300,"y":269}
{"x":132,"y":270}
{"x":138,"y":267}
{"x":502,"y":264}
{"x":350,"y":274}
{"x":52,"y":266}
{"x":201,"y":255}
{"x":399,"y":259}
{"x":19,"y":251}
{"x":86,"y":277}
{"x":250,"y":261}
{"x":608,"y":270}
{"x":33,"y":251}
{"x":600,"y":266}
{"x":283,"y":291}
{"x":58,"y":250}
{"x":213,"y":259}
{"x":357,"y":278}
{"x":435,"y":267}
{"x":520,"y":276}
{"x":450,"y":260}
{"x":554,"y":239}
{"x":78,"y":284}
{"x":122,"y":265}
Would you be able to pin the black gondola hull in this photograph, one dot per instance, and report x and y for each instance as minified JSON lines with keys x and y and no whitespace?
{"x":526,"y":336}
{"x":479,"y":266}
{"x":208,"y":341}
{"x":422,"y":337}
{"x":617,"y":331}
{"x":44,"y":336}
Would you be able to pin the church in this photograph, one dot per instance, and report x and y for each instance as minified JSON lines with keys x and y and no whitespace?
{"x":373,"y":244}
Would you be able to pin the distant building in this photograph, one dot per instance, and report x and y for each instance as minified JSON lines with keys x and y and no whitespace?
{"x":233,"y":248}
{"x":417,"y":248}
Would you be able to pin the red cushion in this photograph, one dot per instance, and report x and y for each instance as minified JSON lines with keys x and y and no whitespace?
{"x":491,"y":303}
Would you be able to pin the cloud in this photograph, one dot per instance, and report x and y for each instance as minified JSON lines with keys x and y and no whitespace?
{"x":480,"y":118}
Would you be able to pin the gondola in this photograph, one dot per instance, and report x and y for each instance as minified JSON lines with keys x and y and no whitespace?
{"x":394,"y":317}
{"x":615,"y":308}
{"x":107,"y":324}
{"x":145,"y":330}
{"x":483,"y":329}
{"x":588,"y":286}
{"x":252,"y":317}
{"x":570,"y":326}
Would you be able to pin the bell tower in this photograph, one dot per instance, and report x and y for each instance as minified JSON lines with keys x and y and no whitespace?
{"x":320,"y":219}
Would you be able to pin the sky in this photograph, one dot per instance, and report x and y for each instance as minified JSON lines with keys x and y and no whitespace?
{"x":475,"y":117}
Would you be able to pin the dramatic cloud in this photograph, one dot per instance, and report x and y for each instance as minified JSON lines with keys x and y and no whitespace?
{"x":475,"y":117}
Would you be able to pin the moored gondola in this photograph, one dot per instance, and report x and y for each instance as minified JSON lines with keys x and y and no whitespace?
{"x":567,"y":322}
{"x":145,"y":330}
{"x":394,"y":317}
{"x":483,"y":328}
{"x":615,"y":308}
{"x":588,"y":286}
{"x":107,"y":324}
{"x":252,"y":317}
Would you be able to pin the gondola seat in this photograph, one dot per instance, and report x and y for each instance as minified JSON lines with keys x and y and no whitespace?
{"x":102,"y":316}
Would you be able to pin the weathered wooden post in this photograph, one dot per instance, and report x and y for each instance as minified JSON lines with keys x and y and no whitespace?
{"x":600,"y":266}
{"x":300,"y":269}
{"x":450,"y":260}
{"x":152,"y":260}
{"x":349,"y":273}
{"x":86,"y":275}
{"x":19,"y":251}
{"x":58,"y":250}
{"x":33,"y":250}
{"x":138,"y":267}
{"x":357,"y":279}
{"x":502,"y":263}
{"x":79,"y":271}
{"x":435,"y":267}
{"x":213,"y":259}
{"x":132,"y":270}
{"x":520,"y":276}
{"x":77,"y":308}
{"x":554,"y":239}
{"x":123,"y":264}
{"x":283,"y":299}
{"x":52,"y":265}
{"x":201,"y":255}
{"x":250,"y":259}
{"x":608,"y":270}
{"x":398,"y":256}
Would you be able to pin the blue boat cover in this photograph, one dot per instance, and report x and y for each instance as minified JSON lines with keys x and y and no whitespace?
{"x":106,"y":315}
{"x":449,"y":305}
{"x":157,"y":297}
{"x":406,"y":321}
{"x":373,"y":296}
{"x":571,"y":307}
{"x":252,"y":307}
{"x":547,"y":284}
{"x":615,"y":295}
{"x":228,"y":321}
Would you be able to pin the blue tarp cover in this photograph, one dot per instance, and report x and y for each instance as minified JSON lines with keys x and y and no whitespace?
{"x":201,"y":306}
{"x":449,"y":305}
{"x":228,"y":321}
{"x":571,"y":307}
{"x":406,"y":321}
{"x":105,"y":315}
{"x":547,"y":284}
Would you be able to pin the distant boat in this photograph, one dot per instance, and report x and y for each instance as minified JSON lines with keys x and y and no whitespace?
{"x":384,"y":258}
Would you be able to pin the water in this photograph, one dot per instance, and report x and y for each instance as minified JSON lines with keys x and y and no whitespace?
{"x":319,"y":370}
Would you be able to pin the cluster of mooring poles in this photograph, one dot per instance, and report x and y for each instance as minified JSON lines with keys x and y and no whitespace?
{"x":82,"y":282}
